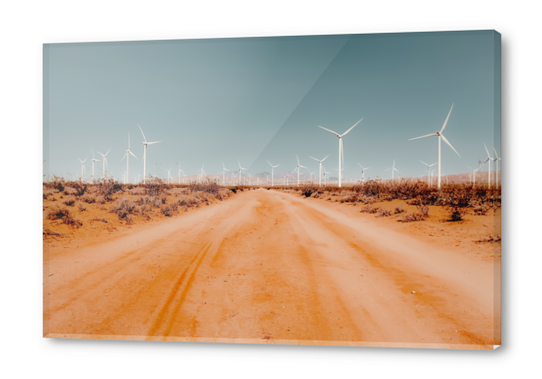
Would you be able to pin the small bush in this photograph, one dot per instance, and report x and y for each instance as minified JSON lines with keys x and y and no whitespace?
{"x":308,"y":190}
{"x":122,"y":208}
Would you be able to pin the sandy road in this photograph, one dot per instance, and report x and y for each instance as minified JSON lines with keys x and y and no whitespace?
{"x":270,"y":267}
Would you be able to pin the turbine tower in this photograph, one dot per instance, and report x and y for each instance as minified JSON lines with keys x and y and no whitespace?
{"x":429,"y":172}
{"x":82,"y":168}
{"x":168,"y":175}
{"x":272,"y":172}
{"x":440,"y":136}
{"x":320,"y":170}
{"x":145,"y":144}
{"x":104,"y":162}
{"x":224,"y":169}
{"x":93,"y":160}
{"x":127,"y":156}
{"x":297,"y":168}
{"x":393,"y":169}
{"x":180,"y":174}
{"x":201,"y":172}
{"x":488,"y":160}
{"x":497,"y":159}
{"x":363,"y":171}
{"x":240,"y":168}
{"x":341,"y":152}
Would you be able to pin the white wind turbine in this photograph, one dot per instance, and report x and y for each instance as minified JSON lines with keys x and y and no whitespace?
{"x":488,"y":160}
{"x":127,"y":156}
{"x":93,"y":160}
{"x":297,"y":168}
{"x":240,"y":168}
{"x":104,"y":162}
{"x":341,"y":152}
{"x":473,"y":178}
{"x":168,"y":175}
{"x":325,"y":174}
{"x":272,"y":172}
{"x":429,"y":172}
{"x":201,"y":172}
{"x":180,"y":174}
{"x":497,"y":159}
{"x":363,"y":171}
{"x":320,"y":170}
{"x":393,"y":169}
{"x":82,"y":168}
{"x":145,"y":144}
{"x":440,"y":136}
{"x":224,"y":169}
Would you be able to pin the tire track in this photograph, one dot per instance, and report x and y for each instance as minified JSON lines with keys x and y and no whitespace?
{"x":164,"y":312}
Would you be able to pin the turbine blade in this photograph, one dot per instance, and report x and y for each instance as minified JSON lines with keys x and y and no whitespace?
{"x":152,"y":143}
{"x":445,"y":122}
{"x":331,"y":131}
{"x":133,"y":155}
{"x":428,"y":135}
{"x":297,"y":158}
{"x":142,"y":133}
{"x":325,"y":158}
{"x":449,"y":144}
{"x":108,"y":151}
{"x":424,"y":163}
{"x":124,"y":156}
{"x":314,"y":158}
{"x":345,"y":133}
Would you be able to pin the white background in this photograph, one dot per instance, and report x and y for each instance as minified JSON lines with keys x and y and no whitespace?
{"x":25,"y":26}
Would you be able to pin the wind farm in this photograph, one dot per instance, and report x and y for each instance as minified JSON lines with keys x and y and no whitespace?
{"x":219,"y":235}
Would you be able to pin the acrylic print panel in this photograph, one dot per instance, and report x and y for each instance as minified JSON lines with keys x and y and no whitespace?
{"x":327,"y":190}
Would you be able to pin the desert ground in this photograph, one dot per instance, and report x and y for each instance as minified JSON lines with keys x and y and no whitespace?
{"x":274,"y":266}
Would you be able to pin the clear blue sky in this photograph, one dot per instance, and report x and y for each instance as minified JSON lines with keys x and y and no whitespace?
{"x":258,"y":99}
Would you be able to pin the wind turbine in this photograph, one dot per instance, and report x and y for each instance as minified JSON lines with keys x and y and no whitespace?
{"x":363,"y":171}
{"x":325,"y":174}
{"x":93,"y":160}
{"x":104,"y":162}
{"x":429,"y":172}
{"x":393,"y":169}
{"x":272,"y":171}
{"x":341,"y":152}
{"x":488,"y":160}
{"x":320,"y":170}
{"x":82,"y":168}
{"x":497,"y":159}
{"x":145,"y":144}
{"x":224,"y":169}
{"x":168,"y":175}
{"x":127,"y":156}
{"x":297,"y":168}
{"x":474,"y":175}
{"x":180,"y":174}
{"x":240,"y":168}
{"x":440,"y":136}
{"x":201,"y":172}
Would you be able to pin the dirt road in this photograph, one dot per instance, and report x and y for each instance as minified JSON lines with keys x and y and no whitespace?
{"x":270,"y":267}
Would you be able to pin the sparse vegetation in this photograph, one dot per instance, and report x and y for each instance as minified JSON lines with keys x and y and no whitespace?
{"x":131,"y":203}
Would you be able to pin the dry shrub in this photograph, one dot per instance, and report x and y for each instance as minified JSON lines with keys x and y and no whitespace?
{"x":107,"y":188}
{"x":64,"y":215}
{"x":81,"y":207}
{"x":79,"y":188}
{"x":122,"y":208}
{"x":69,"y":202}
{"x":166,"y":211}
{"x":154,"y":186}
{"x":87,"y":198}
{"x":308,"y":190}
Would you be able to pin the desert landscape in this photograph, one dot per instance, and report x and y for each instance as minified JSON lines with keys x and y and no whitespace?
{"x":379,"y":263}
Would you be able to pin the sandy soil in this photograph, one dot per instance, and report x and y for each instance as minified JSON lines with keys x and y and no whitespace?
{"x":273,"y":267}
